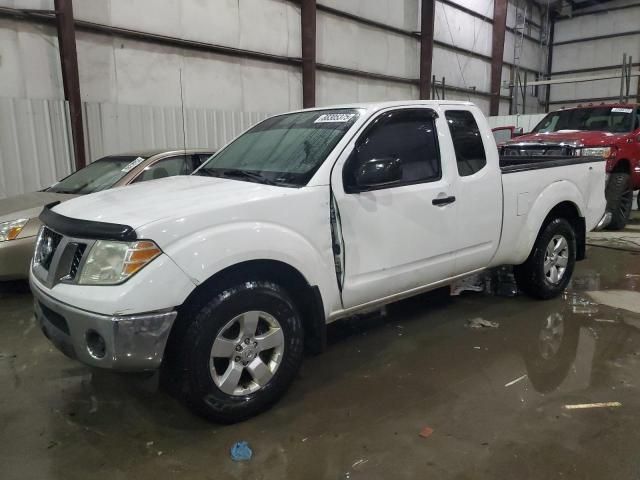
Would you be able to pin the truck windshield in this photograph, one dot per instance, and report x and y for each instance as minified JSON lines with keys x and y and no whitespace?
{"x":97,"y":176}
{"x":284,"y":150}
{"x":604,"y":119}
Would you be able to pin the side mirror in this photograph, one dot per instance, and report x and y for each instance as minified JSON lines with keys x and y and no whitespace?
{"x":378,"y":172}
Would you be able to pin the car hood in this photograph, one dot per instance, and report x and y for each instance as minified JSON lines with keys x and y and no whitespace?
{"x":172,"y":197}
{"x":576,"y":137}
{"x":28,"y":205}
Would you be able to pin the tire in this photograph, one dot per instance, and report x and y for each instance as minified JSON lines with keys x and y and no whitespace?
{"x":534,"y":276}
{"x":619,"y":195}
{"x":207,"y":380}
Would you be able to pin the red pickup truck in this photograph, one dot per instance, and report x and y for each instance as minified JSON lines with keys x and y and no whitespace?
{"x":608,"y":130}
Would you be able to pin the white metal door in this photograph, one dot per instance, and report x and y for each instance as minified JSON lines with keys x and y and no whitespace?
{"x":479,"y":187}
{"x":400,"y":236}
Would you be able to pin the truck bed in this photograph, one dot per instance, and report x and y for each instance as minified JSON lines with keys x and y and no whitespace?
{"x":513,"y":163}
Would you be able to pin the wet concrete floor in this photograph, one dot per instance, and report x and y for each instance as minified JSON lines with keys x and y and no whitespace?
{"x":494,"y":397}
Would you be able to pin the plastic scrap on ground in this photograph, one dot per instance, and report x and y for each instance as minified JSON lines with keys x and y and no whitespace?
{"x":513,"y":382}
{"x":241,"y":452}
{"x":426,"y":432}
{"x":480,"y":322}
{"x":581,"y":406}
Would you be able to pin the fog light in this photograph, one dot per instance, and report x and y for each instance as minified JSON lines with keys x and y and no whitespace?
{"x":96,"y":345}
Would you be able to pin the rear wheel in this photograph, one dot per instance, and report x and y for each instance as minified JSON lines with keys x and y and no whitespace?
{"x":241,"y":352}
{"x":619,"y":195}
{"x":548,"y":270}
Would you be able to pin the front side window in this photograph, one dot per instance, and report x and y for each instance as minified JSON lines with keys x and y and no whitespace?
{"x":99,"y":175}
{"x":604,"y":119}
{"x":407,"y":136}
{"x":283,"y":150}
{"x":467,"y":142}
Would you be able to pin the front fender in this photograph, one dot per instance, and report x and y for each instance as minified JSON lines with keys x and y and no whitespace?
{"x":207,"y":252}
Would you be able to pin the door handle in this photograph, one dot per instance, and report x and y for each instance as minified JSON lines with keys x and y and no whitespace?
{"x":441,"y":201}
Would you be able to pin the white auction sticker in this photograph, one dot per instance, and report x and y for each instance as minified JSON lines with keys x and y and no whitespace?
{"x":335,"y":117}
{"x":133,"y":165}
{"x":621,"y":110}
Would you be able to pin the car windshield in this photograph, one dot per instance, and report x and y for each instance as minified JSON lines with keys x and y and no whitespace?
{"x":602,"y":119}
{"x":99,"y":175}
{"x":284,"y":150}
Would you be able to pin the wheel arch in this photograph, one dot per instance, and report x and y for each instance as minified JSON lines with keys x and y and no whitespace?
{"x":621,"y":165}
{"x":570,"y":212}
{"x":307,"y":297}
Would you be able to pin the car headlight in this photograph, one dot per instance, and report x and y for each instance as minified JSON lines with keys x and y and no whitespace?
{"x":10,"y":230}
{"x":604,"y":152}
{"x":110,"y":263}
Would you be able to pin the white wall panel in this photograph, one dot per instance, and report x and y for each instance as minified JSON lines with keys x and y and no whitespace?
{"x":113,"y":129}
{"x":460,"y":70}
{"x":335,"y":89}
{"x":588,"y":90}
{"x":617,"y":21}
{"x":594,"y":53}
{"x":458,"y":28}
{"x":343,"y":43}
{"x":35,"y":146}
{"x":397,"y":13}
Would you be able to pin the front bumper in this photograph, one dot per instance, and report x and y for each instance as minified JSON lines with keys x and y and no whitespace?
{"x":119,"y":342}
{"x":15,"y":257}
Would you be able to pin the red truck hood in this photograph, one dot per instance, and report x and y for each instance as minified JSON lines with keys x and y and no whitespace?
{"x":578,"y":137}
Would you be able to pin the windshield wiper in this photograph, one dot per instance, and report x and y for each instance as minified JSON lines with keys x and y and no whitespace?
{"x":247,"y":174}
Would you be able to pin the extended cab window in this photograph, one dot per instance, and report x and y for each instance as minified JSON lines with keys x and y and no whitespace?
{"x":467,"y":142}
{"x":407,"y":136}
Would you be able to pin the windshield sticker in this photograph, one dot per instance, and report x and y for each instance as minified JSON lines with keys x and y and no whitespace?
{"x":133,"y":165}
{"x":621,"y":110}
{"x":335,"y":117}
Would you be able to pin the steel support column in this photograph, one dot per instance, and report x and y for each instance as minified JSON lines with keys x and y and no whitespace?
{"x":497,"y":52}
{"x":70,"y":78}
{"x":426,"y":47}
{"x":308,"y":30}
{"x":552,"y":31}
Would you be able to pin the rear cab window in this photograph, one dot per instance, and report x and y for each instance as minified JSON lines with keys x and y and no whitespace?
{"x":467,"y":142}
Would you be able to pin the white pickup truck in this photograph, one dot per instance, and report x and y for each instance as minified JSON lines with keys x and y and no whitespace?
{"x":220,"y":279}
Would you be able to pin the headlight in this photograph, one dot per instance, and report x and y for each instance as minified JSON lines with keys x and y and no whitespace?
{"x":10,"y":230}
{"x":110,"y":263}
{"x":604,"y":152}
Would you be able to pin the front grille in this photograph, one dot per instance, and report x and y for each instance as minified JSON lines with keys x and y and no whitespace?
{"x":75,"y":261}
{"x":47,"y":246}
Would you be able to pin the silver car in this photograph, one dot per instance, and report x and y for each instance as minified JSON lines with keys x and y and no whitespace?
{"x":19,"y":223}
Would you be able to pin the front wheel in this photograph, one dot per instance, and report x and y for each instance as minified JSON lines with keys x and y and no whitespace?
{"x":619,"y":195}
{"x":241,"y":352}
{"x":548,"y":270}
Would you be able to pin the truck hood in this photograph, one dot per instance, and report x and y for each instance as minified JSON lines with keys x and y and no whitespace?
{"x":577,"y":137}
{"x":28,"y":205}
{"x":172,"y":197}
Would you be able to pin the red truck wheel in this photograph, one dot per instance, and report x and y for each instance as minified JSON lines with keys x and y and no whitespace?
{"x":619,"y":196}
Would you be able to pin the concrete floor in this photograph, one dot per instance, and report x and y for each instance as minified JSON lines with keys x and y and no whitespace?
{"x":495,"y":404}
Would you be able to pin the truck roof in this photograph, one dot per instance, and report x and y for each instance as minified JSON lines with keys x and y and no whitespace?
{"x":373,"y":106}
{"x":612,"y":105}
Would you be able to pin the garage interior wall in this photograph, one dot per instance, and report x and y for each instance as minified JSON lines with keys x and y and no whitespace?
{"x":376,"y":37}
{"x":592,"y":43}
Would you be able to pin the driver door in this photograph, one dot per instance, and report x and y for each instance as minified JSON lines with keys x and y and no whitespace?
{"x":398,"y":236}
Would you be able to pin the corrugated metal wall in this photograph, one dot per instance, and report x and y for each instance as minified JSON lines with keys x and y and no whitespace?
{"x":527,"y":122}
{"x":35,"y":150}
{"x":112,"y":128}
